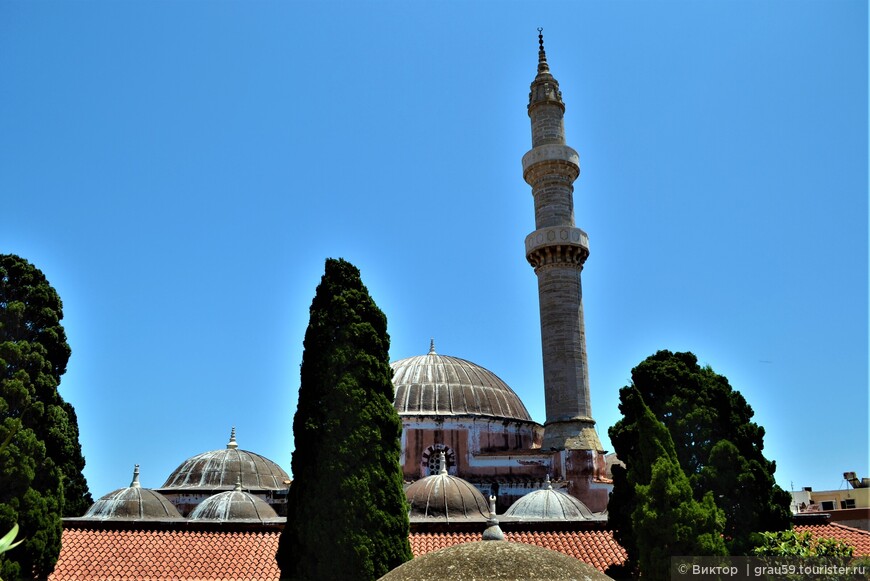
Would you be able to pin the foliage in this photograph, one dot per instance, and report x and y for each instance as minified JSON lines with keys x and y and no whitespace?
{"x":665,"y":519}
{"x":718,"y":447}
{"x":8,"y":542}
{"x":793,"y":544}
{"x":620,"y":511}
{"x":347,"y":512}
{"x":41,"y":462}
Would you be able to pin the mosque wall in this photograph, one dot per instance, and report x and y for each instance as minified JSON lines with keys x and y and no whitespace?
{"x":463,"y":439}
{"x":585,"y":471}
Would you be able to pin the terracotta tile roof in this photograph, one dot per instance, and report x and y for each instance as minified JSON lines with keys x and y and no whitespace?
{"x":126,"y":555}
{"x":596,"y":547}
{"x":858,"y":538}
{"x":143,"y":554}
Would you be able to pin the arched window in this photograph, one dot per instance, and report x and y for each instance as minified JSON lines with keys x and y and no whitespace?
{"x":431,"y":459}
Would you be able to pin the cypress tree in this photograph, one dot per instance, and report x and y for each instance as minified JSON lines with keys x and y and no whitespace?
{"x":667,"y":520}
{"x":347,"y":516}
{"x":40,"y":460}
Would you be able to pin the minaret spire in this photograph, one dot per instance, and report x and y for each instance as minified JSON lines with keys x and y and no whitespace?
{"x":543,"y":67}
{"x":557,"y":250}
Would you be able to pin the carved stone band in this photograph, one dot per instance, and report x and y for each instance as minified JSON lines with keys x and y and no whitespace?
{"x":556,"y":236}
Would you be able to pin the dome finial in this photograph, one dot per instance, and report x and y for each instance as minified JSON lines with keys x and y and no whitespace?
{"x":442,"y":461}
{"x":493,"y":532}
{"x":542,"y":56}
{"x":135,"y":483}
{"x":232,"y":445}
{"x":432,"y":346}
{"x":238,"y":486}
{"x":549,"y":485}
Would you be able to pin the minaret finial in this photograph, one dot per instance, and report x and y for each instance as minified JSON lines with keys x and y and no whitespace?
{"x":543,"y":67}
{"x":135,"y":483}
{"x":432,"y":346}
{"x":232,"y":444}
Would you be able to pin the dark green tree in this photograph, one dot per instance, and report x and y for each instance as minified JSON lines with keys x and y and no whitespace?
{"x":719,"y":447}
{"x":656,"y":516}
{"x":41,"y":463}
{"x":347,"y":516}
{"x":669,"y":522}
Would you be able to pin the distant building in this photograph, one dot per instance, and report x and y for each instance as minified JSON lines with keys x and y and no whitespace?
{"x":848,"y":506}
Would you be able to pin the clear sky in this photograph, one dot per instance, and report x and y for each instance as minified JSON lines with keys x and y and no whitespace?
{"x":180,"y":171}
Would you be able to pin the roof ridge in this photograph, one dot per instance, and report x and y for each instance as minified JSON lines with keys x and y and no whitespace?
{"x":848,"y":528}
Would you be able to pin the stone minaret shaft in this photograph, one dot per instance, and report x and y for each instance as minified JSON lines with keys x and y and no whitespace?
{"x":557,"y":250}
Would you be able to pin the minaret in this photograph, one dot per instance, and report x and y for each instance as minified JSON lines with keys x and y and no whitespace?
{"x":557,"y":251}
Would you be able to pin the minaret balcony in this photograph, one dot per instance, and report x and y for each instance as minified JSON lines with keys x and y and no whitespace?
{"x":550,"y":152}
{"x":557,"y":245}
{"x":550,"y":163}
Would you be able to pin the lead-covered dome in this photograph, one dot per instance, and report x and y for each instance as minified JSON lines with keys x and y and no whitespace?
{"x":234,"y":505}
{"x":550,"y":504}
{"x":435,"y":384}
{"x":222,"y":469}
{"x":445,"y":497}
{"x":132,"y":503}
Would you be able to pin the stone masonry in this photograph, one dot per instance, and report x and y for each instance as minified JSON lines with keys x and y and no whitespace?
{"x":557,"y":250}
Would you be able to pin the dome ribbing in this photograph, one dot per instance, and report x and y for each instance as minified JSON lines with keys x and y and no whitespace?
{"x":132,"y":503}
{"x":435,"y":384}
{"x":233,"y":505}
{"x":222,"y":469}
{"x":549,"y":504}
{"x":442,"y":496}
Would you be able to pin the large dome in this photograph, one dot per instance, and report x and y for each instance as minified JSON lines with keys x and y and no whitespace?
{"x":132,"y":503}
{"x":223,"y":469}
{"x":435,"y":384}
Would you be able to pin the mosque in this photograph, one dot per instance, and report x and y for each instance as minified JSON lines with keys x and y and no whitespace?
{"x":454,"y":409}
{"x":452,"y":405}
{"x":466,"y":434}
{"x":466,"y":437}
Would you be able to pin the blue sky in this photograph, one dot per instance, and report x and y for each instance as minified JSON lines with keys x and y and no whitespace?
{"x":180,"y":171}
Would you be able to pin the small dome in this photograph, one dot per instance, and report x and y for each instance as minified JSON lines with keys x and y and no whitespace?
{"x":483,"y":560}
{"x":549,"y":504}
{"x":233,"y":505}
{"x":442,"y":496}
{"x":435,"y":384}
{"x":221,"y":469}
{"x":133,"y":503}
